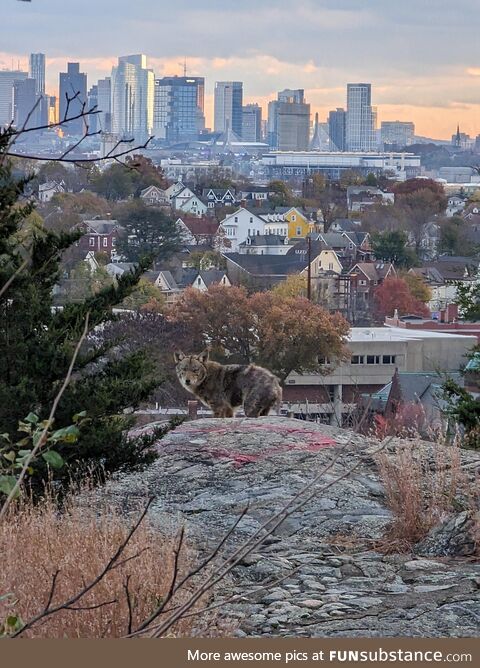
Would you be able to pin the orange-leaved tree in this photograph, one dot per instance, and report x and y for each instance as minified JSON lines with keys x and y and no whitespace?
{"x":395,"y":293}
{"x":284,"y":334}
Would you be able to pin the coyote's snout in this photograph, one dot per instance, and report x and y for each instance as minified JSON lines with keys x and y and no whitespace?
{"x":226,"y":387}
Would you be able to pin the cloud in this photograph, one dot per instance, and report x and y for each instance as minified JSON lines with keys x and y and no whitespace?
{"x":417,"y":54}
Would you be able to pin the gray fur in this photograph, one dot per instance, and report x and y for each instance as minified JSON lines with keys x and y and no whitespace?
{"x":226,"y":387}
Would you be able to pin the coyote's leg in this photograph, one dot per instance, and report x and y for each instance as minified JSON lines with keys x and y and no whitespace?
{"x":223,"y":411}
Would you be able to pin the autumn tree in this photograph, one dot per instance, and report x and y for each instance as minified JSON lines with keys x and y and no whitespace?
{"x":284,"y":334}
{"x":417,"y":286}
{"x":422,"y":200}
{"x":282,"y":196}
{"x":394,"y":294}
{"x":294,"y":286}
{"x":327,"y":196}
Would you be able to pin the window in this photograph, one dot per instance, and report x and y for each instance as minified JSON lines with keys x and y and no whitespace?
{"x":294,"y":218}
{"x":299,"y":231}
{"x":373,"y":359}
{"x":114,"y":241}
{"x":330,"y":266}
{"x":324,"y":361}
{"x":105,"y":242}
{"x":91,"y":241}
{"x":362,"y":282}
{"x":236,"y":219}
{"x":388,"y":359}
{"x":358,"y":359}
{"x":199,"y":280}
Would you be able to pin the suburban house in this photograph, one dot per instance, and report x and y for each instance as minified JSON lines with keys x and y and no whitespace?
{"x":154,"y":196}
{"x":193,"y":205}
{"x":442,"y":275}
{"x":174,"y":189}
{"x":360,"y":198}
{"x":264,"y":244}
{"x":255,"y":194}
{"x":49,"y":189}
{"x":201,"y":231}
{"x":455,"y":206}
{"x":353,"y":246}
{"x":172,"y":287}
{"x":365,"y":277}
{"x":262,"y":272}
{"x":299,"y":224}
{"x":100,"y":236}
{"x":219,"y":197}
{"x":117,"y":269}
{"x":241,"y":224}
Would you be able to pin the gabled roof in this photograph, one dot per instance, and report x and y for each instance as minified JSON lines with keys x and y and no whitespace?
{"x":102,"y":226}
{"x":200,"y":226}
{"x":294,"y":261}
{"x":264,"y":240}
{"x":146,"y":191}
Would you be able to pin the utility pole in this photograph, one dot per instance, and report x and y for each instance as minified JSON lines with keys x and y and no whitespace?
{"x":309,"y":269}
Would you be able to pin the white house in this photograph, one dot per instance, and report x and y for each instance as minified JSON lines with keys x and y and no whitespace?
{"x":174,"y":189}
{"x":154,"y":196}
{"x":265,"y":244}
{"x":49,"y":189}
{"x":181,"y":197}
{"x":240,"y":225}
{"x":193,"y":205}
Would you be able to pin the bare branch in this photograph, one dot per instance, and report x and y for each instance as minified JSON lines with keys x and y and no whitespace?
{"x":69,"y":603}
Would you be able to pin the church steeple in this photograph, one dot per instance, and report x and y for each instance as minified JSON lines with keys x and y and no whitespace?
{"x":458,"y":138}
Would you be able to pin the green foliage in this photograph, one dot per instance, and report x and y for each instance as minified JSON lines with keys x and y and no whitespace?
{"x":464,"y":408}
{"x":392,"y":247}
{"x":37,"y":344}
{"x":454,"y":238}
{"x":148,"y":232}
{"x":468,"y":300}
{"x":35,"y":433}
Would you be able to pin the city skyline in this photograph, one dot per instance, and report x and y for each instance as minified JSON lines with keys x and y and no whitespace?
{"x":433,"y":86}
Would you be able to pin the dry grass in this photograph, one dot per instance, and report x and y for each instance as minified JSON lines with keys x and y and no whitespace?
{"x":422,"y":488}
{"x":36,"y":541}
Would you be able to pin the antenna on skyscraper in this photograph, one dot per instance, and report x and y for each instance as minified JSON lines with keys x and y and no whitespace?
{"x":185,"y":67}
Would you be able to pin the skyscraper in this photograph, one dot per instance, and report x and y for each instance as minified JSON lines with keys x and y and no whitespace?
{"x":397,"y":134}
{"x":337,"y":129}
{"x":7,"y":79}
{"x":179,"y":108}
{"x":133,"y":89}
{"x":37,"y":71}
{"x":24,"y":103}
{"x":228,"y":106}
{"x":289,"y":121}
{"x":93,"y":121}
{"x":104,"y":101}
{"x":73,"y":83}
{"x":361,"y":118}
{"x":252,"y":123}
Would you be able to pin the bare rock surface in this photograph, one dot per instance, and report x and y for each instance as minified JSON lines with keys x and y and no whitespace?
{"x":328,"y":580}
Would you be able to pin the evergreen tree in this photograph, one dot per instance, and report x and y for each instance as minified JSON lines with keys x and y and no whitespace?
{"x":37,"y":342}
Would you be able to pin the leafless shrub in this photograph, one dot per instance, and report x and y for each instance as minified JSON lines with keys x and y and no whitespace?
{"x":44,"y":550}
{"x":422,"y":488}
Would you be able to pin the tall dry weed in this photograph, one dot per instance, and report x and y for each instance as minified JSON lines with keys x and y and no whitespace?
{"x":35,"y":541}
{"x":423,"y":486}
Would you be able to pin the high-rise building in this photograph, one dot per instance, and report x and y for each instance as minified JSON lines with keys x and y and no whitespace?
{"x":179,"y":108}
{"x":337,"y":129}
{"x":104,"y":102}
{"x":361,"y":118}
{"x":289,"y":121}
{"x":36,"y":71}
{"x":228,"y":106}
{"x":93,"y":121}
{"x":25,"y":104}
{"x":133,"y":89}
{"x":252,"y":123}
{"x":397,"y":133}
{"x":7,"y":79}
{"x":73,"y":95}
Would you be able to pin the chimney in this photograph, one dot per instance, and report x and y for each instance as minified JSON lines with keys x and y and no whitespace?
{"x":452,"y":313}
{"x":243,"y":203}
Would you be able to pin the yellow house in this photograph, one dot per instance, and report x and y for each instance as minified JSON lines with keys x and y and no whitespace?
{"x":298,"y":225}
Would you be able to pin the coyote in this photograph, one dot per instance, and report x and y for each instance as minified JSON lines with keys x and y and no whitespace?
{"x":226,"y":387}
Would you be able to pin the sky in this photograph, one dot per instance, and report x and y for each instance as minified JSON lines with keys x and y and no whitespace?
{"x":421,"y":56}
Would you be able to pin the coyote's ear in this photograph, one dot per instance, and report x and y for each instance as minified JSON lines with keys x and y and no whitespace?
{"x":178,"y":356}
{"x":203,"y":357}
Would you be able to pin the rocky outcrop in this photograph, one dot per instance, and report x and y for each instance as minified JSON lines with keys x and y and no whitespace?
{"x":328,"y":578}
